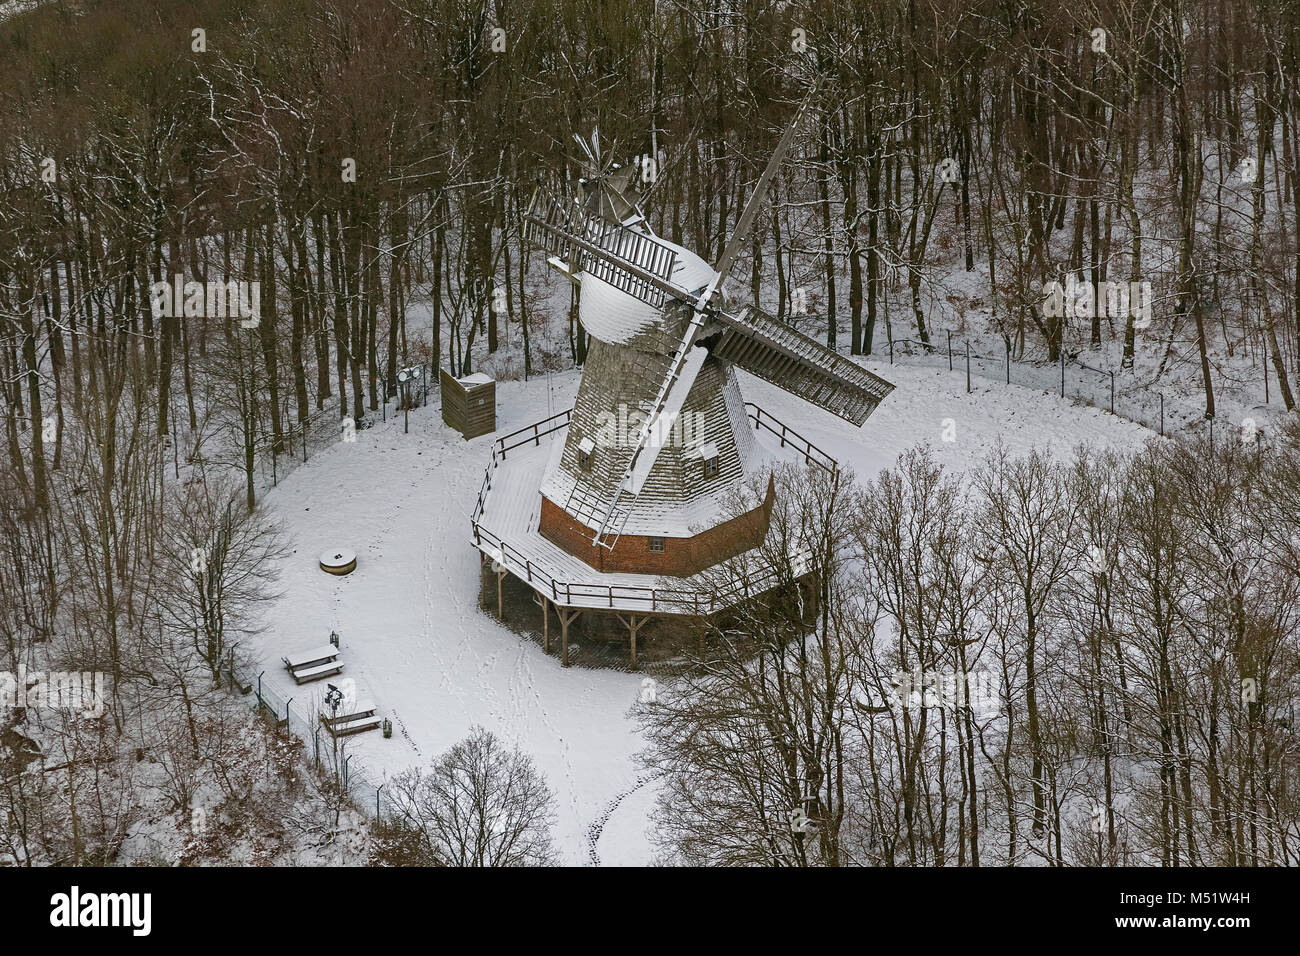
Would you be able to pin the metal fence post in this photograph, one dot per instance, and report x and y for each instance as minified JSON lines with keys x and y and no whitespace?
{"x":968,"y":368}
{"x":1063,"y":374}
{"x":1008,"y":362}
{"x":949,"y":350}
{"x":1162,"y":414}
{"x":1112,"y":393}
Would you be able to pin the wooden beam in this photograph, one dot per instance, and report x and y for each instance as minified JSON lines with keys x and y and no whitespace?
{"x":567,"y":616}
{"x":546,"y":625}
{"x":633,"y":625}
{"x":758,"y":195}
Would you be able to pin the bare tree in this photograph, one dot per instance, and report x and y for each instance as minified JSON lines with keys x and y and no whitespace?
{"x":479,"y":804}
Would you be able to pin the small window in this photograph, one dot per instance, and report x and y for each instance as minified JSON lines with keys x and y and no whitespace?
{"x":709,"y":455}
{"x":585,"y":448}
{"x":657,"y":544}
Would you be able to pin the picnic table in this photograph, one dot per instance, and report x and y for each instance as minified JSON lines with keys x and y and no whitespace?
{"x":314,"y":664}
{"x":352,"y":719}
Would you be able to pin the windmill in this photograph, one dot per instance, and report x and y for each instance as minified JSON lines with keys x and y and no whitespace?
{"x":645,"y":495}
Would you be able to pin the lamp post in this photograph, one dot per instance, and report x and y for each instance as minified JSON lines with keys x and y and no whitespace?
{"x":404,"y":378}
{"x":333,"y":699}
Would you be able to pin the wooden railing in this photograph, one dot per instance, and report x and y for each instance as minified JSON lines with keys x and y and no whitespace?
{"x":624,"y":596}
{"x":569,"y":594}
{"x":811,"y":453}
{"x":530,"y":434}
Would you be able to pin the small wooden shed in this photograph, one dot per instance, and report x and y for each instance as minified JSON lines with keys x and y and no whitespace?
{"x":469,"y":404}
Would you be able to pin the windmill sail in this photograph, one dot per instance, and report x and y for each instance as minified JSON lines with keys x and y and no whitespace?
{"x":763,"y":346}
{"x":632,"y":261}
{"x":627,"y":247}
{"x":593,"y":237}
{"x":685,"y":362}
{"x":756,"y":198}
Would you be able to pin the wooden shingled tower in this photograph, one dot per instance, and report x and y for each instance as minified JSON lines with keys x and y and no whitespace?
{"x":660,"y":438}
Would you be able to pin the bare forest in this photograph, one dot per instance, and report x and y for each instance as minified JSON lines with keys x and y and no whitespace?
{"x":363,"y":165}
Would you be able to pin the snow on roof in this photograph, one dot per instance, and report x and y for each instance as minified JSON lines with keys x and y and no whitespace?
{"x":477,"y":378}
{"x":672,"y":409}
{"x":674,"y":517}
{"x":613,"y":316}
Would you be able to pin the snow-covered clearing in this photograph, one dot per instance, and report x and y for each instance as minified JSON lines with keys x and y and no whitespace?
{"x":415,"y":642}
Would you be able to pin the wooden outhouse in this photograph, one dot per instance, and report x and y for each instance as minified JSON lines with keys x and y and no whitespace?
{"x":469,"y":404}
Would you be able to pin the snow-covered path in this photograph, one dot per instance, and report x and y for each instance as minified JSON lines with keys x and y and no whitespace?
{"x":415,"y":643}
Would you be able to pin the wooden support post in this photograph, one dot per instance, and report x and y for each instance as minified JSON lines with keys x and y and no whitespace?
{"x":633,"y":625}
{"x":500,"y":606}
{"x":546,"y":623}
{"x":567,"y":617}
{"x":564,"y":640}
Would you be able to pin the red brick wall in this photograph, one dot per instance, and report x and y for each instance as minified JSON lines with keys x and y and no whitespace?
{"x":680,"y":557}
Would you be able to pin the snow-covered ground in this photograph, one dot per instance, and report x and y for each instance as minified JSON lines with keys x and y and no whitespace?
{"x":416,"y":644}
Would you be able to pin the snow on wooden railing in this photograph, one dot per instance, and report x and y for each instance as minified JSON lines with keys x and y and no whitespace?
{"x":531,"y":435}
{"x":570,"y":594}
{"x":534,"y":433}
{"x":632,"y":597}
{"x":625,"y":596}
{"x":811,"y":453}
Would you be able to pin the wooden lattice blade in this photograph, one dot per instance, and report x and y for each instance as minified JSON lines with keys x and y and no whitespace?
{"x":790,"y":360}
{"x":633,"y":261}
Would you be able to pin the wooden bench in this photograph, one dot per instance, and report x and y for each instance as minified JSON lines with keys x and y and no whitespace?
{"x":348,"y":711}
{"x":313,"y":664}
{"x":315,"y":655}
{"x":357,"y":725}
{"x":304,"y":675}
{"x":353,"y":719}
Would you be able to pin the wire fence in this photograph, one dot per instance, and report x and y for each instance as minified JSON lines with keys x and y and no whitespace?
{"x":1101,"y":388}
{"x":301,"y":441}
{"x":1069,"y":378}
{"x":273,"y":705}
